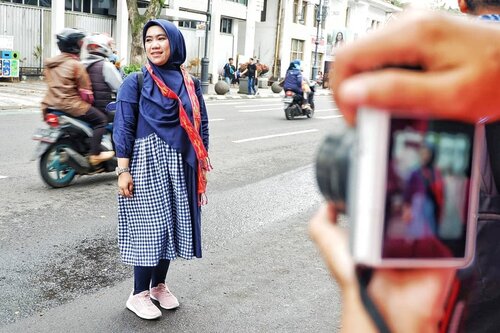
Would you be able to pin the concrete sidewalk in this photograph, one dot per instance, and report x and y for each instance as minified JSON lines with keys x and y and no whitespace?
{"x":29,"y":94}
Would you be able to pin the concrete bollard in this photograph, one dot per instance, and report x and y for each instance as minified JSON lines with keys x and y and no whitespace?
{"x":276,"y":88}
{"x":221,"y":87}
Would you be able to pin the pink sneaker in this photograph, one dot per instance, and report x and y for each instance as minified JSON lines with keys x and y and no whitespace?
{"x":161,"y":294}
{"x":142,"y":305}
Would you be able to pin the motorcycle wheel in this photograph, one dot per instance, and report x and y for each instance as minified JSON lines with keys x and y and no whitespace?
{"x":54,"y":172}
{"x":311,"y":113}
{"x":288,"y":113}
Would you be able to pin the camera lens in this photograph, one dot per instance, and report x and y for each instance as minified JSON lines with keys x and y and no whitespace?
{"x":332,"y":165}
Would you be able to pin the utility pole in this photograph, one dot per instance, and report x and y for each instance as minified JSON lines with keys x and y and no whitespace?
{"x":316,"y":41}
{"x":204,"y":60}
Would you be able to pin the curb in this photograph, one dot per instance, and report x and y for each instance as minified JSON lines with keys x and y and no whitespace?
{"x":212,"y":97}
{"x":19,"y":107}
{"x":207,"y":97}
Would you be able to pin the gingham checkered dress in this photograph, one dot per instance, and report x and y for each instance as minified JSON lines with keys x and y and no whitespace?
{"x":155,"y":223}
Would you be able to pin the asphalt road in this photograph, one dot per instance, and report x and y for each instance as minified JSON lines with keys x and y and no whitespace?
{"x":60,"y":267}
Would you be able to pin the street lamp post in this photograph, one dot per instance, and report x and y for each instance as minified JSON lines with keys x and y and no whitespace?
{"x":204,"y":61}
{"x":316,"y":41}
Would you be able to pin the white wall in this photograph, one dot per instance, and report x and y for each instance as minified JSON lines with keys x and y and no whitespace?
{"x":265,"y":35}
{"x":363,"y":12}
{"x":306,"y":32}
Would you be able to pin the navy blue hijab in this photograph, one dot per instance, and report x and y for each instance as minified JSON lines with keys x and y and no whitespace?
{"x":162,"y":113}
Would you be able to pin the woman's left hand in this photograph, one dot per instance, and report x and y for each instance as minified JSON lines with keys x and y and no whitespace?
{"x":125,"y":184}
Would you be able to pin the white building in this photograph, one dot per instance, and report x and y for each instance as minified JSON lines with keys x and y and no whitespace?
{"x":275,"y":31}
{"x":278,"y":31}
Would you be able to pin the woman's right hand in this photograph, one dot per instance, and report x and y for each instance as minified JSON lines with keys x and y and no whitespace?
{"x":125,"y":184}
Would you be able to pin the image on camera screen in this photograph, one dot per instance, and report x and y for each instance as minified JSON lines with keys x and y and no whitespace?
{"x":427,"y":195}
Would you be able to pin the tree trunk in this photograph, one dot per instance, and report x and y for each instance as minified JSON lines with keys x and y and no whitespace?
{"x":137,"y":22}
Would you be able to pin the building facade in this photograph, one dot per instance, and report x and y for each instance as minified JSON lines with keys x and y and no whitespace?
{"x":274,"y":31}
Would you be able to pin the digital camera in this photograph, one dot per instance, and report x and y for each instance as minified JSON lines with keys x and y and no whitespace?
{"x":411,"y":188}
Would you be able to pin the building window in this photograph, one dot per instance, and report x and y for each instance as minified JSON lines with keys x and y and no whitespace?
{"x":41,"y":3}
{"x":77,"y":5}
{"x":299,"y":13}
{"x":188,"y":24}
{"x":347,"y":16}
{"x":297,"y":49}
{"x":319,"y":62}
{"x":86,"y":6}
{"x":100,"y":7}
{"x":226,"y":25}
{"x":243,"y":2}
{"x":263,"y":13}
{"x":374,"y":24}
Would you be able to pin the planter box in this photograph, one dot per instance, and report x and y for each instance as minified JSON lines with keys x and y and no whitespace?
{"x":263,"y":82}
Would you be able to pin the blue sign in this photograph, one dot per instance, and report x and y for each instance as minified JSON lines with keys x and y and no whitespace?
{"x":6,"y":68}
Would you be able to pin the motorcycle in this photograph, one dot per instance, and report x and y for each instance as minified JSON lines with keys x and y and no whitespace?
{"x":293,"y":104}
{"x":64,"y":147}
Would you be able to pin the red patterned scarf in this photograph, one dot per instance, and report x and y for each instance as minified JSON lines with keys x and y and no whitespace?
{"x":192,"y":130}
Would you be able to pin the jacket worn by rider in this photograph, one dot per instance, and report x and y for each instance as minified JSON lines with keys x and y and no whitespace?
{"x":293,"y":81}
{"x":65,"y":75}
{"x":103,"y":92}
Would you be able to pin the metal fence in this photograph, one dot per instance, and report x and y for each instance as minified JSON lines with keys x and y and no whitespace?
{"x":31,"y":28}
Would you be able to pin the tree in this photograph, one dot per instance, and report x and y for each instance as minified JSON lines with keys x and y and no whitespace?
{"x":136,"y":22}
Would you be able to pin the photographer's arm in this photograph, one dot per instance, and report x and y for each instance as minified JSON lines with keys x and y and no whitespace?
{"x":458,"y":57}
{"x":332,"y":243}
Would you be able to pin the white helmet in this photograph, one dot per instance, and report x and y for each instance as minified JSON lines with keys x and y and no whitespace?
{"x":99,"y":44}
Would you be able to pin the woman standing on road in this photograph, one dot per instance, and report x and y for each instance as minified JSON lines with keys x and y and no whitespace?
{"x":161,"y":138}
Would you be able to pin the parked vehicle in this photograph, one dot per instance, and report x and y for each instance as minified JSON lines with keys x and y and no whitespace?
{"x":64,"y":148}
{"x":293,"y":104}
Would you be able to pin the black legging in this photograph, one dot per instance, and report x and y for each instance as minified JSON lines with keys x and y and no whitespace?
{"x":145,"y":276}
{"x":98,"y":120}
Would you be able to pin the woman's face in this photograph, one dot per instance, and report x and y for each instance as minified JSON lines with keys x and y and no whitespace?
{"x":157,"y":45}
{"x":340,"y":36}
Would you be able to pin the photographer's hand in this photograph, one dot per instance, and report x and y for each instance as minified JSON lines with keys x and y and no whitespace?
{"x":410,"y":300}
{"x":458,"y":57}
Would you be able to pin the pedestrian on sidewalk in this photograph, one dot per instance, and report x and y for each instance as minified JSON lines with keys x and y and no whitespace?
{"x":161,"y":138}
{"x":229,"y":72}
{"x":250,"y":72}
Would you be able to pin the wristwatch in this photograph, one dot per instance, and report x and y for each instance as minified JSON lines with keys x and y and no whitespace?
{"x":119,"y":170}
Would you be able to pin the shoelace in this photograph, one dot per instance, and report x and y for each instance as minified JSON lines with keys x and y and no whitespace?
{"x":163,"y":289}
{"x":146,"y":300}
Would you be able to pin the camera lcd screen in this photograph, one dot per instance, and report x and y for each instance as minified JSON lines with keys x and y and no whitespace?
{"x":427,"y":195}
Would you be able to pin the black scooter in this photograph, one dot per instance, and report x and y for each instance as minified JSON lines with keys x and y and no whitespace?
{"x":293,"y":104}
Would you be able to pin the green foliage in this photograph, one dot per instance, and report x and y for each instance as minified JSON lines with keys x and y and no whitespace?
{"x":131,"y":68}
{"x":395,"y":3}
{"x":37,"y":52}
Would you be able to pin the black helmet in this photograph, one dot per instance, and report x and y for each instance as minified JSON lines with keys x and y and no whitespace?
{"x":69,"y":39}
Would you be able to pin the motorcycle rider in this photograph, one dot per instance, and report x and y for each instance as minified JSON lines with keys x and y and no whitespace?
{"x":104,"y":76}
{"x":294,"y":82}
{"x":70,"y":90}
